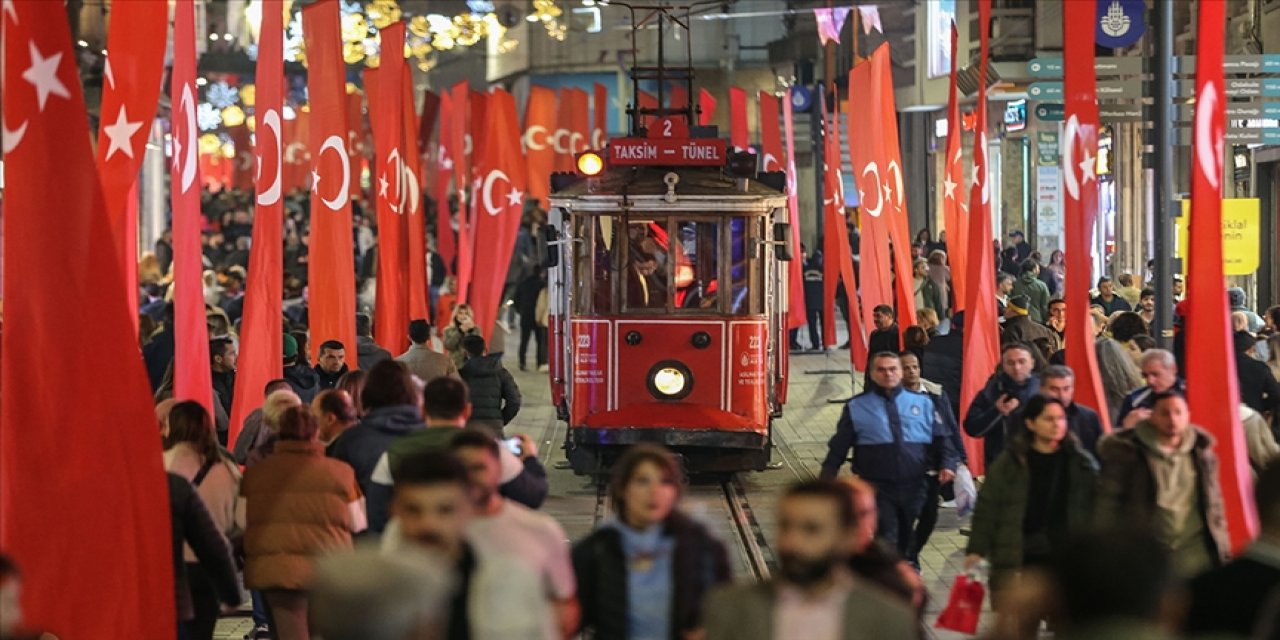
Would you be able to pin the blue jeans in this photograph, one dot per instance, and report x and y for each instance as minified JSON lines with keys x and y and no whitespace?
{"x":898,"y":505}
{"x":259,"y":607}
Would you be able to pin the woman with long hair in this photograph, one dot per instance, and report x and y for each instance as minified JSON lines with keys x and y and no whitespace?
{"x":1120,"y":375}
{"x":353,"y":383}
{"x":192,"y":451}
{"x":643,"y":574}
{"x":462,"y":324}
{"x":1058,"y":267}
{"x":1037,"y":492}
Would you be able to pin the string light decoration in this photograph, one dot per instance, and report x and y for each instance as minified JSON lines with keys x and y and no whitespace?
{"x":548,"y":13}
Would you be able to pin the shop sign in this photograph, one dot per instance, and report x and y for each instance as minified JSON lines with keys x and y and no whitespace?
{"x":1241,"y":235}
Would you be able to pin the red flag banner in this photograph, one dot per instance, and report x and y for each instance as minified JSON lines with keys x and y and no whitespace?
{"x":84,"y":507}
{"x":646,"y":100}
{"x":838,"y":260}
{"x":579,"y":109}
{"x":600,"y":114}
{"x":707,"y":106}
{"x":332,"y":283}
{"x":192,"y":379}
{"x":500,"y":200}
{"x":130,"y":93}
{"x":895,"y":194}
{"x":297,"y":157}
{"x":1079,"y":148}
{"x":981,"y":327}
{"x":242,"y":165}
{"x":539,"y":126}
{"x":462,"y":146}
{"x":355,"y":139}
{"x":386,"y":110}
{"x":954,"y":208}
{"x":446,"y":243}
{"x":427,"y":119}
{"x":796,"y":312}
{"x":261,"y":340}
{"x":1212,"y":388}
{"x":679,"y":96}
{"x":560,"y":138}
{"x":770,"y":135}
{"x":870,"y":176}
{"x":738,"y":136}
{"x":419,"y":301}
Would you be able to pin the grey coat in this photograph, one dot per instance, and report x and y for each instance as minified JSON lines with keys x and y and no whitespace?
{"x":745,"y":612}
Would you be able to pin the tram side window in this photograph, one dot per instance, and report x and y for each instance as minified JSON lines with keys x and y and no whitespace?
{"x":646,"y":272}
{"x":746,"y":292}
{"x":594,"y":264}
{"x":697,"y":266}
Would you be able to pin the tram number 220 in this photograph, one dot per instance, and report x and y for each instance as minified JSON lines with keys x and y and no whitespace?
{"x":753,"y":343}
{"x":584,"y":341}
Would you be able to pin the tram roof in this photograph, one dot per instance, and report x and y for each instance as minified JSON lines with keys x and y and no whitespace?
{"x":699,"y":189}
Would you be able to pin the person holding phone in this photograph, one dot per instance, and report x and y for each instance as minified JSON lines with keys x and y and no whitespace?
{"x":995,"y":409}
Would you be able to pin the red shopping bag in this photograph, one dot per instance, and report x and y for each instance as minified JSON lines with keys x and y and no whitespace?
{"x":963,"y":606}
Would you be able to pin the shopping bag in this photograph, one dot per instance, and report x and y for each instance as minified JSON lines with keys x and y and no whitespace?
{"x":966,"y":491}
{"x":963,"y":606}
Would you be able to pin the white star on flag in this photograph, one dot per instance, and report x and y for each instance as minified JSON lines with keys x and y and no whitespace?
{"x":119,"y":135}
{"x":43,"y":74}
{"x":447,"y":163}
{"x":111,"y":77}
{"x":12,"y":10}
{"x":887,"y":191}
{"x":315,"y":181}
{"x":515,"y":198}
{"x":949,"y":186}
{"x":1086,"y":167}
{"x":177,"y":151}
{"x":382,"y":185}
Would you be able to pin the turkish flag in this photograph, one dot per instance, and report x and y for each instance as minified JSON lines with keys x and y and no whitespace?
{"x":192,"y":379}
{"x":130,"y":93}
{"x":84,"y":505}
{"x":1079,"y":148}
{"x":500,"y":201}
{"x":770,"y":135}
{"x":981,"y":327}
{"x":461,"y":147}
{"x":242,"y":166}
{"x":539,"y":125}
{"x":261,"y":341}
{"x":386,"y":110}
{"x":797,"y":315}
{"x":355,"y":139}
{"x":446,"y":243}
{"x":1212,"y":388}
{"x":600,"y":115}
{"x":838,"y":261}
{"x":954,"y":208}
{"x":415,"y":226}
{"x":738,"y":136}
{"x":572,"y":122}
{"x":427,"y":119}
{"x":679,"y":97}
{"x":579,"y":109}
{"x":707,"y":106}
{"x":894,"y":191}
{"x":297,"y":157}
{"x":332,"y":280}
{"x":866,"y":153}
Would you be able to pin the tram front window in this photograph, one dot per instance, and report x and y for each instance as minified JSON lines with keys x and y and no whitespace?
{"x":697,"y":267}
{"x":647,"y":257}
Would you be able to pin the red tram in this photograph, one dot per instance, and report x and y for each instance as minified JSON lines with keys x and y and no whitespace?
{"x":667,"y":294}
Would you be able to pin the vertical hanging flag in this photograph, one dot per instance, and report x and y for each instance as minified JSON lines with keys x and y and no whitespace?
{"x":427,"y":119}
{"x":646,"y":100}
{"x":797,"y":314}
{"x":130,"y":92}
{"x":738,"y":136}
{"x":242,"y":165}
{"x":1212,"y":388}
{"x":838,"y":257}
{"x":870,"y":15}
{"x":981,"y":327}
{"x":539,"y":126}
{"x":770,"y":138}
{"x":355,"y":139}
{"x":866,"y":155}
{"x":446,"y":242}
{"x":831,"y":23}
{"x":954,"y":208}
{"x":579,"y":109}
{"x":500,"y":200}
{"x":261,"y":340}
{"x":411,"y":207}
{"x":332,"y":284}
{"x":1079,"y":147}
{"x":600,"y":115}
{"x":462,"y":147}
{"x":894,"y":192}
{"x":84,"y":507}
{"x":192,"y":379}
{"x":679,"y":96}
{"x":707,"y":107}
{"x":386,"y":111}
{"x":297,"y":157}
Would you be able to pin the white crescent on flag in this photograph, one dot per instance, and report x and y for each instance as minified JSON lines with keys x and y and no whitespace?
{"x":271,"y":122}
{"x":486,"y":190}
{"x":874,"y":212}
{"x":336,"y":144}
{"x":986,"y":183}
{"x":529,"y":139}
{"x":394,"y":159}
{"x":1070,"y":136}
{"x":411,"y":196}
{"x":186,"y":104}
{"x":897,"y":179}
{"x":768,"y":158}
{"x":12,"y":138}
{"x":557,"y":140}
{"x":1208,"y":143}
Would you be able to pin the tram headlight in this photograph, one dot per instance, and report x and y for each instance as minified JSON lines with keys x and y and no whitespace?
{"x":590,"y":163}
{"x":670,"y":380}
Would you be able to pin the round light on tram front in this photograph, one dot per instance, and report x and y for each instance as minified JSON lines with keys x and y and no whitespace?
{"x":669,"y":381}
{"x":590,"y":163}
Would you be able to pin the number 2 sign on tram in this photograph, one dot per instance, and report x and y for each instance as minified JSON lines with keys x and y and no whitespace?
{"x":668,"y":143}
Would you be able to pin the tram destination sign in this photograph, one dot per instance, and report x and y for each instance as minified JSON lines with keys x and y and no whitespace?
{"x":700,"y":152}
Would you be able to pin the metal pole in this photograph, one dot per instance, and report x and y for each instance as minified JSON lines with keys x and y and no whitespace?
{"x":1162,"y":170}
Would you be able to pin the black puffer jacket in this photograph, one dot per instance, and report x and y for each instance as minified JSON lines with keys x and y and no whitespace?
{"x":304,"y":381}
{"x":700,"y":563}
{"x":494,"y":394}
{"x":362,"y":445}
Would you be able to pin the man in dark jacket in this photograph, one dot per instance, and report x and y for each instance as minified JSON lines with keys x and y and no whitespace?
{"x":301,"y":378}
{"x":222,"y":364}
{"x":192,"y":524}
{"x":1059,"y":382}
{"x":885,"y":337}
{"x":391,"y":411}
{"x":1108,"y":299}
{"x":1019,"y":327}
{"x":495,"y":398}
{"x":1258,"y":387}
{"x":943,"y":360}
{"x":158,"y":353}
{"x":368,"y":353}
{"x":813,"y":297}
{"x":912,"y":381}
{"x":996,"y":407}
{"x":1229,"y":601}
{"x":895,"y":434}
{"x":332,"y":363}
{"x":1160,"y":370}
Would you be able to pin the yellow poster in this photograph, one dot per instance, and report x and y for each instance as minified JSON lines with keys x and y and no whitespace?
{"x":1241,"y":235}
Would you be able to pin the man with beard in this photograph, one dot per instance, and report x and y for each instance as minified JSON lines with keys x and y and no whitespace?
{"x":997,"y":405}
{"x":222,"y":365}
{"x":814,"y":594}
{"x":1147,"y":306}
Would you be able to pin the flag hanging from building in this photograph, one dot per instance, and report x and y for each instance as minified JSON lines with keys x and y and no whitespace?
{"x":895,"y":200}
{"x":446,"y":241}
{"x":540,"y":155}
{"x":331,"y":286}
{"x":1212,"y":388}
{"x":797,"y":314}
{"x":866,"y":153}
{"x":386,"y":115}
{"x":954,"y":209}
{"x":837,"y":254}
{"x":84,"y":506}
{"x":1078,"y":149}
{"x":419,"y":299}
{"x":831,"y":23}
{"x":981,"y":327}
{"x":707,"y":106}
{"x":600,"y":116}
{"x":770,"y":135}
{"x":261,"y":338}
{"x":738,"y":136}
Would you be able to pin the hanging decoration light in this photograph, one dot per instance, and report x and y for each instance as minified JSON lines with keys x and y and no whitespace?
{"x":548,"y":13}
{"x":221,"y":95}
{"x":208,"y":117}
{"x":248,"y":93}
{"x":209,"y":143}
{"x":233,"y":116}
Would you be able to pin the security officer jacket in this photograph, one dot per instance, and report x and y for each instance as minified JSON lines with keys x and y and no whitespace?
{"x":895,"y":434}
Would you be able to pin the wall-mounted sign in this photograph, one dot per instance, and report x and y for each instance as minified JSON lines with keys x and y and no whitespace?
{"x":1015,"y":115}
{"x":1121,"y":22}
{"x":1241,"y":231}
